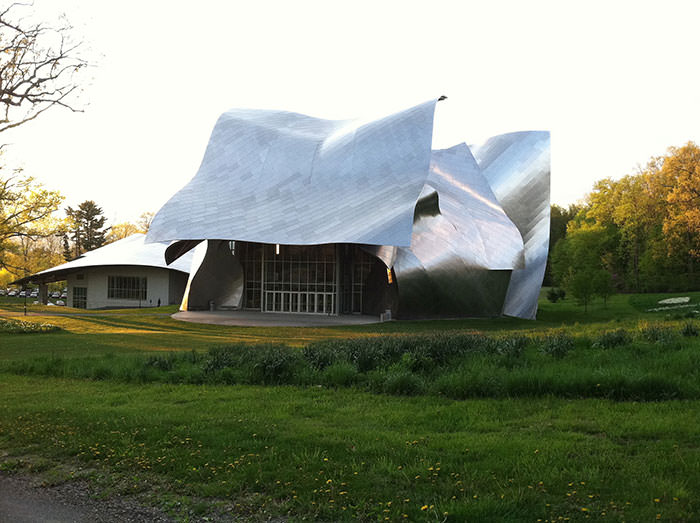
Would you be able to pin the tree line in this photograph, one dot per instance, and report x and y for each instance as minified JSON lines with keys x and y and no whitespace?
{"x":640,"y":233}
{"x":36,"y":239}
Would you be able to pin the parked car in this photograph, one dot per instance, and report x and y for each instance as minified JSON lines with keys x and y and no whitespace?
{"x":35,"y":293}
{"x":55,"y":294}
{"x":22,"y":294}
{"x":2,"y":292}
{"x":12,"y":293}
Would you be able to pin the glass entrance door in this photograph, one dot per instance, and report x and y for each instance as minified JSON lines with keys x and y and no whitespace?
{"x":299,"y":279}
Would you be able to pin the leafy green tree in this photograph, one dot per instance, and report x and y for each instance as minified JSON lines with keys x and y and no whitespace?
{"x":25,"y":216}
{"x":578,"y":263}
{"x":120,"y":231}
{"x":603,"y":285}
{"x":559,"y":219}
{"x":680,"y":177}
{"x":655,"y":215}
{"x":30,"y":255}
{"x":124,"y":229}
{"x":629,"y":206}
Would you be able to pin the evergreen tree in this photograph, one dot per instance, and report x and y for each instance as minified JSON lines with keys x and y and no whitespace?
{"x":87,"y":226}
{"x":93,"y":225}
{"x":67,"y":252}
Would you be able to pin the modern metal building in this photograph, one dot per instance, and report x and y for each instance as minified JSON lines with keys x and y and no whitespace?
{"x":290,"y":213}
{"x":123,"y":274}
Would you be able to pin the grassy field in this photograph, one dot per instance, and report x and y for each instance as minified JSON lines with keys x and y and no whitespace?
{"x":541,"y":434}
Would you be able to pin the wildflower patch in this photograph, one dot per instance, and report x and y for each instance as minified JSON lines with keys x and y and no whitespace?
{"x":25,"y":327}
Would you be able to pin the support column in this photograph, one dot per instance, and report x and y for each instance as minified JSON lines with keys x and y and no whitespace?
{"x":43,"y":293}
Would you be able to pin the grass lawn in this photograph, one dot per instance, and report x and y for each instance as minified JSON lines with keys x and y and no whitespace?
{"x":327,"y":453}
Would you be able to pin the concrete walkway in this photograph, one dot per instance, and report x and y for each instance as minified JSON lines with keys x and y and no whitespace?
{"x":272,"y":319}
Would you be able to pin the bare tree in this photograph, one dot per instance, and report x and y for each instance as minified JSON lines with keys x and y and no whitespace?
{"x":38,"y":64}
{"x":144,"y":221}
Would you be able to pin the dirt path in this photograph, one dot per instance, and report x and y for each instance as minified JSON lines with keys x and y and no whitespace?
{"x":23,"y":501}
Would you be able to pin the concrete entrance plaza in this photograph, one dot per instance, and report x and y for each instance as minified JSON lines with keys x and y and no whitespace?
{"x":272,"y":319}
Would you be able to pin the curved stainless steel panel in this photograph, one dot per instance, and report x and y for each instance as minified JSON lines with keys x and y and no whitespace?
{"x":517,"y":166}
{"x":489,"y":239}
{"x":177,"y":249}
{"x":463,"y":245}
{"x":278,"y":177}
{"x":215,"y":276}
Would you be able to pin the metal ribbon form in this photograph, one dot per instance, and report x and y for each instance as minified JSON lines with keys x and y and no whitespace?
{"x":465,"y":230}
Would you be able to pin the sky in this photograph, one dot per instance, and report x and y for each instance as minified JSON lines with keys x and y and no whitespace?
{"x":615,"y":83}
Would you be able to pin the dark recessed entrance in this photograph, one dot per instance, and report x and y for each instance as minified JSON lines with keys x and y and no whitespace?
{"x":306,"y":279}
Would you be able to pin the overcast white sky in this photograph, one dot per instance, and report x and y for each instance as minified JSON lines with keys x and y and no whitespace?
{"x":615,"y":82}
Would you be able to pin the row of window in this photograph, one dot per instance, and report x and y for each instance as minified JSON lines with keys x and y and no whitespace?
{"x":126,"y":287}
{"x":118,"y":288}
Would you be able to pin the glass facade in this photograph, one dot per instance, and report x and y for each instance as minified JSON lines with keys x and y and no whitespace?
{"x":300,"y":279}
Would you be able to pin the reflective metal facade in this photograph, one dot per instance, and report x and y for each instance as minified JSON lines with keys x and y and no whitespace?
{"x":279,"y":177}
{"x":517,"y":167}
{"x":464,"y":229}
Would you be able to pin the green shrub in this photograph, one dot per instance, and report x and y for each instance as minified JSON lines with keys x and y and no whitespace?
{"x":469,"y":381}
{"x":427,"y":352}
{"x":219,"y":358}
{"x":341,"y":374}
{"x":689,"y":329}
{"x":554,"y":294}
{"x":403,"y":383}
{"x":510,"y":346}
{"x":611,"y":339}
{"x":320,"y":355}
{"x":656,"y":333}
{"x":557,"y":344}
{"x":275,"y":364}
{"x":160,"y":362}
{"x":254,"y":364}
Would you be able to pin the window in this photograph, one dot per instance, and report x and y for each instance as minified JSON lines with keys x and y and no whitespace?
{"x":80,"y":297}
{"x":126,"y":288}
{"x":251,"y":259}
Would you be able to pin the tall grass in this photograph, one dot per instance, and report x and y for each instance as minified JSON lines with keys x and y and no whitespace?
{"x":653,"y":362}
